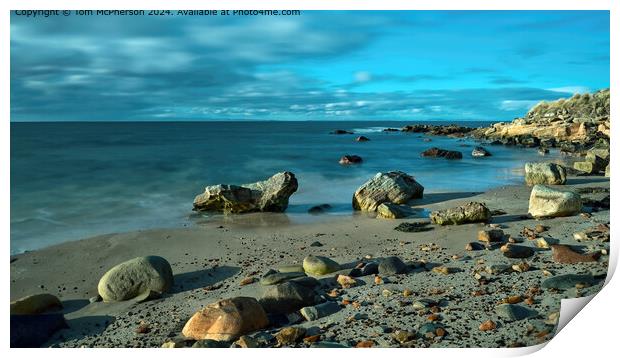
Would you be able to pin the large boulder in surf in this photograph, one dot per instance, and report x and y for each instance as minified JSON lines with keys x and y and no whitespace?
{"x":226,"y":320}
{"x":549,"y":202}
{"x":135,"y":278}
{"x":469,"y":213}
{"x":268,"y":195}
{"x":544,"y":173}
{"x":391,"y":187}
{"x":442,"y":153}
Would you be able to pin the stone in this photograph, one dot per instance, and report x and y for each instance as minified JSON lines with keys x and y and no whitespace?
{"x":480,"y":152}
{"x":391,"y":266}
{"x":290,"y":335}
{"x":586,"y":167}
{"x":31,"y":331}
{"x":210,"y":343}
{"x":491,"y":235}
{"x":442,"y":153}
{"x":423,"y":303}
{"x":350,"y":159}
{"x":135,"y":278}
{"x":362,"y":139}
{"x":564,"y":254}
{"x":392,"y":211}
{"x":287,"y":297}
{"x":487,"y":326}
{"x":391,"y":187}
{"x":328,"y":345}
{"x":312,"y":313}
{"x":544,"y":173}
{"x":513,"y":312}
{"x":413,"y":227}
{"x":319,"y":209}
{"x":247,"y":342}
{"x":550,"y":202}
{"x":315,"y":244}
{"x":469,"y":213}
{"x":278,"y":277}
{"x":370,"y":268}
{"x":607,"y":171}
{"x":430,"y":327}
{"x":567,"y":281}
{"x":542,"y":243}
{"x":226,"y":320}
{"x":35,"y":304}
{"x":270,"y":195}
{"x":346,"y":281}
{"x":474,"y":246}
{"x":319,"y":265}
{"x":403,"y":336}
{"x":340,"y":131}
{"x":517,"y":251}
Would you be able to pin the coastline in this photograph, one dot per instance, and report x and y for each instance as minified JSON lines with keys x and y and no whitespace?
{"x":210,"y":261}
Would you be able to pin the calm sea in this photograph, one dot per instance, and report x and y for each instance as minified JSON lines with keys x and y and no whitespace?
{"x":74,"y":180}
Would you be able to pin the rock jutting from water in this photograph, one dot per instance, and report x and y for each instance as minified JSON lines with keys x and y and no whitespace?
{"x":392,"y":187}
{"x":350,"y":159}
{"x":480,"y":152}
{"x":442,"y":153}
{"x":270,"y":195}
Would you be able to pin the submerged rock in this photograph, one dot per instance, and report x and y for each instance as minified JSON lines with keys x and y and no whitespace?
{"x":35,"y":304}
{"x":340,"y":131}
{"x":544,"y":173}
{"x":350,"y":159}
{"x":135,"y":278}
{"x":550,"y":202}
{"x":391,"y":187}
{"x":226,"y":320}
{"x":362,"y":139}
{"x":269,"y":195}
{"x":442,"y":153}
{"x":469,"y":213}
{"x":319,"y":209}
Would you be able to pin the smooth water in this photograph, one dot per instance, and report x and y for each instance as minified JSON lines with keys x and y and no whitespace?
{"x":74,"y":180}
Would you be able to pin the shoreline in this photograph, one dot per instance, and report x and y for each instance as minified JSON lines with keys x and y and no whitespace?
{"x":210,"y":261}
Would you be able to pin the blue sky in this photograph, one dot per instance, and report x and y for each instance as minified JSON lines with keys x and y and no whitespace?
{"x":322,"y":65}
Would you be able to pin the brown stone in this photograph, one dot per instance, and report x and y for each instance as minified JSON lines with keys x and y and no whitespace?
{"x":490,"y":235}
{"x":487,"y":326}
{"x":565,"y":255}
{"x":364,"y":344}
{"x":226,"y":319}
{"x":290,"y":335}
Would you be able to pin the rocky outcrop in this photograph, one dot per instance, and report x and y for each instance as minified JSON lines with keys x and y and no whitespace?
{"x":135,"y":278}
{"x":550,"y":202}
{"x":442,"y":153}
{"x":226,"y":320}
{"x":449,"y":130}
{"x":596,"y":160}
{"x":469,"y":213}
{"x":544,"y":173}
{"x":391,"y":187}
{"x":579,"y":121}
{"x":268,"y":195}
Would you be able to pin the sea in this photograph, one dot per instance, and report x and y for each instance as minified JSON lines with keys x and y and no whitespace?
{"x":73,"y":180}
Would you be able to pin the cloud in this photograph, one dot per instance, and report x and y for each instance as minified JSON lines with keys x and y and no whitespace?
{"x":571,"y":89}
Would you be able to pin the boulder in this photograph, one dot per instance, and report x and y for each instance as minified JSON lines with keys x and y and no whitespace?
{"x":469,"y":213}
{"x":391,"y":187}
{"x":550,"y":202}
{"x":319,"y":265}
{"x":442,"y":153}
{"x":226,"y":320}
{"x":35,"y":304}
{"x":269,"y":195}
{"x":287,"y":297}
{"x":392,"y":211}
{"x":544,"y":173}
{"x":350,"y":159}
{"x":362,"y":139}
{"x":136,"y":277}
{"x":480,"y":152}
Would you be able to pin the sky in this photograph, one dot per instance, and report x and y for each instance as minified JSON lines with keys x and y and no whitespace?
{"x":320,"y":65}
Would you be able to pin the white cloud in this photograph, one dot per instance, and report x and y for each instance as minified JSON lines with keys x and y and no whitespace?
{"x":571,"y":89}
{"x":512,"y":105}
{"x":362,"y":76}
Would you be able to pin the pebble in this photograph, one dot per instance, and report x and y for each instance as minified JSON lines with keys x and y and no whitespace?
{"x":403,"y":336}
{"x":474,"y":246}
{"x":487,"y":326}
{"x":312,"y":313}
{"x":517,"y":251}
{"x":491,"y":235}
{"x":290,"y":335}
{"x":345,"y":281}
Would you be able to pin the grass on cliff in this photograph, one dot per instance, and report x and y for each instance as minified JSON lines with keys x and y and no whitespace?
{"x":579,"y":106}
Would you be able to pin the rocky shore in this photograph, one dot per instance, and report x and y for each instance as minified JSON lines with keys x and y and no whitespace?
{"x":407,"y":269}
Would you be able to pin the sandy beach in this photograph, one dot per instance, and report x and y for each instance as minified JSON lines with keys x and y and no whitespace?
{"x":210,"y":260}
